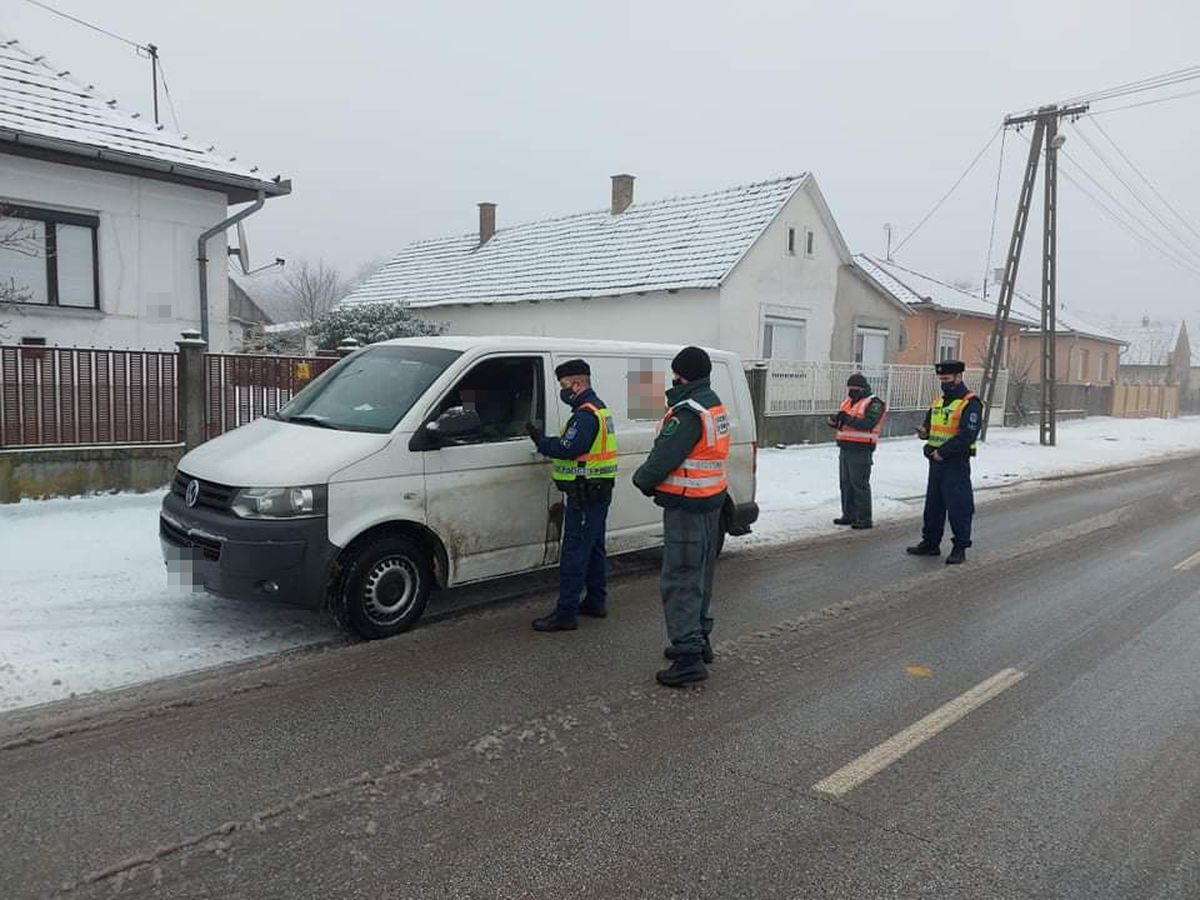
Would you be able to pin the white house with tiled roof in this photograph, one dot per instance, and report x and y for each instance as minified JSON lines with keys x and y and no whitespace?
{"x":752,"y":269}
{"x":104,"y":217}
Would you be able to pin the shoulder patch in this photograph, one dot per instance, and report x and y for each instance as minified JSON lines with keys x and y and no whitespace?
{"x":670,"y":427}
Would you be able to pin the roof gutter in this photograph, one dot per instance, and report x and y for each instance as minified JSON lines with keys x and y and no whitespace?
{"x":202,"y":254}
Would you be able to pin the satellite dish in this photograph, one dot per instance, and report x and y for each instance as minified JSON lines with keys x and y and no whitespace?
{"x":242,"y":251}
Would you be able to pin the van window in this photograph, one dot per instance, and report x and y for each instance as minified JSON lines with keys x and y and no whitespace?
{"x":506,"y":392}
{"x":369,"y":391}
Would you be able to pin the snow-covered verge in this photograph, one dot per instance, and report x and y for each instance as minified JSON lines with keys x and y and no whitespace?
{"x":85,"y":603}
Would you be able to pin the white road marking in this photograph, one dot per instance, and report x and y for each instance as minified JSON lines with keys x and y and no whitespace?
{"x":875,"y":761}
{"x":1190,"y":563}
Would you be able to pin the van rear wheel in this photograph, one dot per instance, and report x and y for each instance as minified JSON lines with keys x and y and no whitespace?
{"x":386,"y":587}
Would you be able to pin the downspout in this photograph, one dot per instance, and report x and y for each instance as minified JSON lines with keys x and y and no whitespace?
{"x":202,"y":254}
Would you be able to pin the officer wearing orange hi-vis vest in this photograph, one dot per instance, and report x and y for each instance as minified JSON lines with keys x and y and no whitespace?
{"x":859,"y":424}
{"x":685,"y":473}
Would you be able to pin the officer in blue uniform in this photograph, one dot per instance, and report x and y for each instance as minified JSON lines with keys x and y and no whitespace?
{"x":950,"y":431}
{"x":583,"y":561}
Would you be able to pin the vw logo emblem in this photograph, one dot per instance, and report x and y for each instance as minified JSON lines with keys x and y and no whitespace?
{"x":193,"y":493}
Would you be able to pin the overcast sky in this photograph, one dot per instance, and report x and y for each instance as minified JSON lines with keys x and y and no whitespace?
{"x":394,"y":119}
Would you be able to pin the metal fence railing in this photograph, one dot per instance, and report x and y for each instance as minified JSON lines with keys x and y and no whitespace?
{"x":798,"y":388}
{"x":72,"y":396}
{"x":239,"y":389}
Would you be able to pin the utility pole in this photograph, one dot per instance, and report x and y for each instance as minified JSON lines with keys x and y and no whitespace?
{"x":1045,"y":131}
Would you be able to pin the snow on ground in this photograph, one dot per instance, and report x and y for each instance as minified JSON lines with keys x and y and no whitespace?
{"x":85,"y":604}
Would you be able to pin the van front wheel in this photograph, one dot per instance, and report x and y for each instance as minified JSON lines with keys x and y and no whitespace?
{"x":386,"y":587}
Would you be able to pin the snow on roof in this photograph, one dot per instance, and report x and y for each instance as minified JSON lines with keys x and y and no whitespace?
{"x":43,"y":106}
{"x":682,"y":242}
{"x":912,"y":287}
{"x":1150,"y":343}
{"x":284,"y":327}
{"x":1064,"y":322}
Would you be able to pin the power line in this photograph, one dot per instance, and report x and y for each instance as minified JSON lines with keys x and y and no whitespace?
{"x":1153,"y":83}
{"x":1168,"y":253}
{"x":1148,"y":183}
{"x":1105,"y":112}
{"x":995,"y":210}
{"x":51,"y":9}
{"x":946,"y":196}
{"x":1183,"y":242}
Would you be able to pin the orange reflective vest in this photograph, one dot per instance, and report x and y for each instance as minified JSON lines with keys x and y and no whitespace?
{"x":944,"y":417}
{"x":858,"y":410}
{"x":702,"y":474}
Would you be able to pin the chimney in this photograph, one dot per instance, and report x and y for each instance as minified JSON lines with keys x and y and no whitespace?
{"x":487,"y":222}
{"x":1145,"y":321}
{"x":622,"y":193}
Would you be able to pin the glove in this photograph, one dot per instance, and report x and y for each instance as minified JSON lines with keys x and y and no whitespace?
{"x":534,"y":432}
{"x":841,"y":418}
{"x":923,"y":433}
{"x":831,"y":421}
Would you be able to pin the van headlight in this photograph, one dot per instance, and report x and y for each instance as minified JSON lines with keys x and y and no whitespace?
{"x":281,"y":503}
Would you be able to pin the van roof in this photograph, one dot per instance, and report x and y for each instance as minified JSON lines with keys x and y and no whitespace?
{"x":554,"y":345}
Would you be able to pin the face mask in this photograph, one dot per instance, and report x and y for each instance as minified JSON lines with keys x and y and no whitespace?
{"x":857,"y":393}
{"x":949,"y":387}
{"x":676,"y":382}
{"x":567,"y":395}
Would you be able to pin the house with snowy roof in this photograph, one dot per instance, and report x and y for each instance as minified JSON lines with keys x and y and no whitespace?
{"x":105,"y":217}
{"x":754,"y":269}
{"x":1155,"y":353}
{"x":947,"y":322}
{"x":1084,"y":352}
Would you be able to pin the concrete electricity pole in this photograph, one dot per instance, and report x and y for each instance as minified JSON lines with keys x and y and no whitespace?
{"x":1045,"y":133}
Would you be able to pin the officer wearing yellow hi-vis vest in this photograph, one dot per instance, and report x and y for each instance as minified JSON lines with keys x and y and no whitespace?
{"x":950,"y":431}
{"x":585,"y":470}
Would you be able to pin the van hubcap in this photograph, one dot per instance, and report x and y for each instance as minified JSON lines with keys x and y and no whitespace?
{"x":390,"y":588}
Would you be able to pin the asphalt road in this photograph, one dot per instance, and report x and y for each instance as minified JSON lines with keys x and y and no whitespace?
{"x":1026,"y":725}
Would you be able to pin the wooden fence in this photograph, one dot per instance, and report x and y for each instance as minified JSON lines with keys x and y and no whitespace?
{"x":1142,"y":401}
{"x":83,"y":397}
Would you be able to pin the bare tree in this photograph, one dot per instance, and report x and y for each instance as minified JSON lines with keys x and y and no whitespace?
{"x":309,"y":290}
{"x":18,"y":237}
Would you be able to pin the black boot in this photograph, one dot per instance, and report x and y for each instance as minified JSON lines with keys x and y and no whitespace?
{"x":843,"y":520}
{"x":862,"y":526}
{"x":706,"y":652}
{"x":924,"y":549}
{"x":594,"y":610}
{"x":556,"y":621}
{"x":685,"y":670}
{"x":958,"y":556}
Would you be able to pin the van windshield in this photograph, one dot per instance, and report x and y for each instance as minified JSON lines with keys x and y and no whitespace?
{"x":369,"y":391}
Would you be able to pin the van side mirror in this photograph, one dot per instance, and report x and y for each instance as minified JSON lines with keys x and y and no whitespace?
{"x":455,"y":423}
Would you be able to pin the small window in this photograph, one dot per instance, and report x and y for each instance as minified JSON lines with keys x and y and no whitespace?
{"x":1103,"y":364}
{"x":808,"y":242}
{"x":48,"y":258}
{"x":791,"y":241}
{"x":33,"y":342}
{"x":870,"y":346}
{"x":784,"y":338}
{"x":949,"y":345}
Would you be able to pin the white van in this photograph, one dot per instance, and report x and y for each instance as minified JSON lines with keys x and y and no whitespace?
{"x":406,"y":467}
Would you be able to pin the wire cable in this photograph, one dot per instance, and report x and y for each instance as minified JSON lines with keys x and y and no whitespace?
{"x":987,"y":266}
{"x":1105,"y":112}
{"x":953,"y":187}
{"x":51,"y":9}
{"x":1165,"y":202}
{"x":1166,"y":252}
{"x":1170,"y":229}
{"x":167,"y":92}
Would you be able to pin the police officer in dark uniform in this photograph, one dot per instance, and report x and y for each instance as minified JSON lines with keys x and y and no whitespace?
{"x":950,"y":431}
{"x":585,"y":470}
